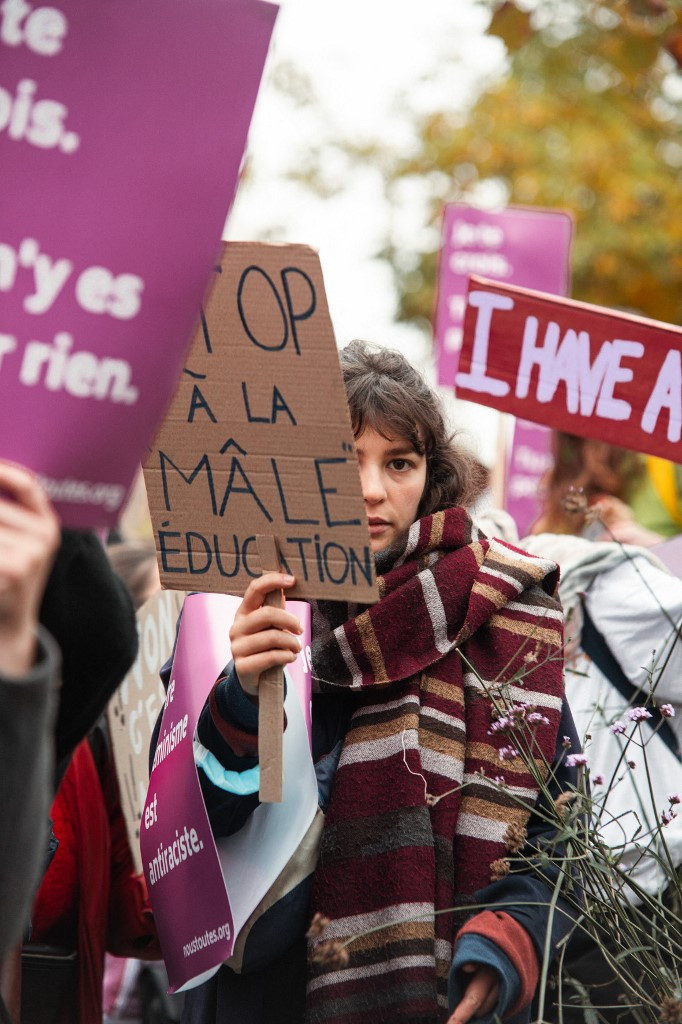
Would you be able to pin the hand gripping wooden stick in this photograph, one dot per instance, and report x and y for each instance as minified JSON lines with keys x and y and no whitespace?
{"x":270,"y":694}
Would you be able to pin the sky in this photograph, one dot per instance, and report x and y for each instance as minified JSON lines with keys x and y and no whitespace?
{"x":365,"y":64}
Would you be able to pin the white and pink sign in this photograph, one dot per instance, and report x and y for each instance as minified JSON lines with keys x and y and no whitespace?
{"x":521,"y":246}
{"x":202,"y":894}
{"x":122,"y":130}
{"x":517,"y":245}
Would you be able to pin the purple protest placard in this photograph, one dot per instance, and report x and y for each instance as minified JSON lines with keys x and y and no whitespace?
{"x":529,"y":457}
{"x":122,"y":130}
{"x":517,"y":245}
{"x":198,"y":909}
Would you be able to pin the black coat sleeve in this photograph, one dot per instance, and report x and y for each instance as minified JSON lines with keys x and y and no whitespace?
{"x":89,"y":612}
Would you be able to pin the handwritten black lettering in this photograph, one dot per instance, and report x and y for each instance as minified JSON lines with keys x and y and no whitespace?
{"x":324,"y":491}
{"x":166,"y":551}
{"x":199,"y":402}
{"x":259,"y":301}
{"x":279,"y":405}
{"x":293,"y":316}
{"x":247,"y":407}
{"x":247,"y":488}
{"x":331,"y":558}
{"x":287,"y":518}
{"x":203,"y":464}
{"x":300,"y":541}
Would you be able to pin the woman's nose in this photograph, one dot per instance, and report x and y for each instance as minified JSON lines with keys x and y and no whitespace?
{"x":371,"y":480}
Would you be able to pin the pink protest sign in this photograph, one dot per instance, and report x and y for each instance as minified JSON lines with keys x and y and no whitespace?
{"x":199,"y":906}
{"x":517,"y":245}
{"x":122,"y":130}
{"x":528,"y":459}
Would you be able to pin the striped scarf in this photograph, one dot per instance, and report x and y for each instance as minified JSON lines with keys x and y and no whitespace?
{"x":416,"y":817}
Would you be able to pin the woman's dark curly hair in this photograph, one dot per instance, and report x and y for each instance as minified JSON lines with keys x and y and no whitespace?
{"x":386,"y":394}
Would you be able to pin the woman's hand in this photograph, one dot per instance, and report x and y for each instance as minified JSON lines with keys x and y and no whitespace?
{"x":480,"y":996}
{"x":29,"y":538}
{"x":263,"y":636}
{"x":621,"y":524}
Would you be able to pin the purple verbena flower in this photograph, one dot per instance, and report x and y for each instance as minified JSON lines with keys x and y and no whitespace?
{"x":667,"y":710}
{"x":577,"y":761}
{"x":638,"y":714}
{"x":506,"y":753}
{"x":499,"y":724}
{"x":667,"y":817}
{"x":673,"y":799}
{"x":618,"y":728}
{"x":597,"y":779}
{"x":535,"y":718}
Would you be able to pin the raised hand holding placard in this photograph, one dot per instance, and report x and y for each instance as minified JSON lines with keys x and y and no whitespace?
{"x":258,"y":446}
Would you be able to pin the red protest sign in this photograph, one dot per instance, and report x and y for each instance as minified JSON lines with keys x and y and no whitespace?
{"x":579,"y":368}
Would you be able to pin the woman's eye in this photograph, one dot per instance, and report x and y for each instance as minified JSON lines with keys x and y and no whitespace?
{"x":400,"y":465}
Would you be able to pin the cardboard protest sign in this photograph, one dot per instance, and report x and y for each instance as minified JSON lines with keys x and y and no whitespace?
{"x":122,"y":130}
{"x":135,"y":707}
{"x":202,"y":893}
{"x":258,"y":439}
{"x":518,"y":245}
{"x":579,"y":368}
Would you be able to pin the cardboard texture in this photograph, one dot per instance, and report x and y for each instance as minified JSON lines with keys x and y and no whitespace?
{"x":258,"y":439}
{"x":122,"y":132}
{"x":579,"y":368}
{"x":270,"y":695}
{"x":135,"y":707}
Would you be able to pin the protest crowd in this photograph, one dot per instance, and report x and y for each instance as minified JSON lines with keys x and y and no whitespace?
{"x":307,"y":716}
{"x":70,"y":890}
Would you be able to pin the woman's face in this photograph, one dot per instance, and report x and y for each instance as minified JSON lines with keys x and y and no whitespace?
{"x":393,"y":477}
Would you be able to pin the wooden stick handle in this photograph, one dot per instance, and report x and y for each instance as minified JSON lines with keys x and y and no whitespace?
{"x":270,"y":694}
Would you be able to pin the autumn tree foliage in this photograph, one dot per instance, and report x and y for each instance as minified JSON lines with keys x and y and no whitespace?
{"x":587,"y":118}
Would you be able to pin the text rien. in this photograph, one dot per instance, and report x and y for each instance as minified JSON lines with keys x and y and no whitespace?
{"x":566,"y":358}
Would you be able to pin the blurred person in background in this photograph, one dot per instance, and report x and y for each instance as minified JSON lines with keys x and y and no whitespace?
{"x":91,"y":899}
{"x":135,"y":563}
{"x":623,"y":652}
{"x":636,"y":497}
{"x":137,"y":990}
{"x":65,"y":617}
{"x":29,"y":680}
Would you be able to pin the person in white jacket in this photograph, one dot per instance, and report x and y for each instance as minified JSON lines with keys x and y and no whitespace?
{"x":626,"y":598}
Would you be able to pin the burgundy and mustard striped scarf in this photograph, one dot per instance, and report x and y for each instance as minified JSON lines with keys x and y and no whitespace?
{"x":392,"y":852}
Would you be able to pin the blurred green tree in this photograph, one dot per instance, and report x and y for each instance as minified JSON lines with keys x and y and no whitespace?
{"x":587,"y":118}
